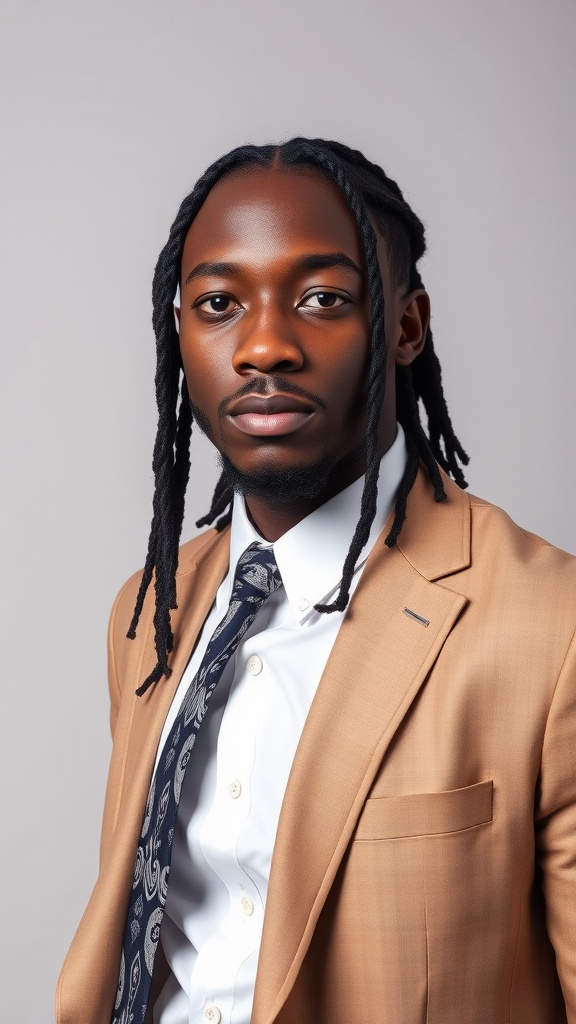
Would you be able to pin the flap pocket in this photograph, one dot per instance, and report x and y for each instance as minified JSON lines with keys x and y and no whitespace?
{"x":425,"y":814}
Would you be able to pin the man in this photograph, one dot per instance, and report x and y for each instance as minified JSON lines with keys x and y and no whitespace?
{"x":343,"y":784}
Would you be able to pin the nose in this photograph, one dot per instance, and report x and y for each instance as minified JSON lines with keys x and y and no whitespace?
{"x":268,"y":345}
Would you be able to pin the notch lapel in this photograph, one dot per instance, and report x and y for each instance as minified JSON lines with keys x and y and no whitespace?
{"x":196,"y":590}
{"x":378,"y":664}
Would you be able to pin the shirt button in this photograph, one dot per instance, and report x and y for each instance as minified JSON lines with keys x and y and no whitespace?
{"x":212,"y":1014}
{"x":254,"y":665}
{"x":247,"y":906}
{"x":304,"y":604}
{"x":235,"y":788}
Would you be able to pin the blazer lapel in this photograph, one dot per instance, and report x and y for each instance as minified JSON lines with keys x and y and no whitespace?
{"x":196,"y":589}
{"x":380,"y":660}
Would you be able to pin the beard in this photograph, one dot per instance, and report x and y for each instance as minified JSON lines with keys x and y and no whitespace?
{"x":280,"y":488}
{"x":288,"y":486}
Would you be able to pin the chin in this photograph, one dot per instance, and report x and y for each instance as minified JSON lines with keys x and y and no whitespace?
{"x":280,"y":486}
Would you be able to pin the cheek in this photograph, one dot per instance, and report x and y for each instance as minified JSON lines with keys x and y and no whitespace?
{"x":349,"y":367}
{"x":205,"y":371}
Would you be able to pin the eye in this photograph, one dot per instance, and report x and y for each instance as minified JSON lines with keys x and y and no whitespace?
{"x":216,"y":305}
{"x":323,"y":300}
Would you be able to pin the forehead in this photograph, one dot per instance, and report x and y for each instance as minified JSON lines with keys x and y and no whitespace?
{"x":264,"y":213}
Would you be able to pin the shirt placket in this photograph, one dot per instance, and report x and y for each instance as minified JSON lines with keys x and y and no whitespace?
{"x":238,"y":935}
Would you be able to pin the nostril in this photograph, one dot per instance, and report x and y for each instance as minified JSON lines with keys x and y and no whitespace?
{"x":284,"y":364}
{"x":268,"y":354}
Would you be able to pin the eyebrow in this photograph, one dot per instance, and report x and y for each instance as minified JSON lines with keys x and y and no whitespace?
{"x":212,"y":270}
{"x":325,"y":260}
{"x":314,"y":261}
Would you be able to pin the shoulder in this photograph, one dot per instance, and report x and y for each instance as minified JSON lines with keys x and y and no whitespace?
{"x":515,"y":582}
{"x":498,"y":541}
{"x":521,"y":590}
{"x":189,"y":555}
{"x":471,"y":544}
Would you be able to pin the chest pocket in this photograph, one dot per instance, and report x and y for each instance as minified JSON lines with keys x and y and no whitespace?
{"x":425,"y":814}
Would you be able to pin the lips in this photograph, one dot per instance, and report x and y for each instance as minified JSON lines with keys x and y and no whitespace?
{"x":271,"y":416}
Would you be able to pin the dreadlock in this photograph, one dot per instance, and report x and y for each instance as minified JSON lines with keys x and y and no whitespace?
{"x":367,"y":190}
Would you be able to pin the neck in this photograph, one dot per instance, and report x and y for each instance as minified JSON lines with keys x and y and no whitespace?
{"x":274,"y":517}
{"x":274,"y":520}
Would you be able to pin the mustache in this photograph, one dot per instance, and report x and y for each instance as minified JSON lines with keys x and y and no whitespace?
{"x":271,"y":384}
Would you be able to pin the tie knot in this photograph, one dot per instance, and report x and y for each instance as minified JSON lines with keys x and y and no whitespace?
{"x":257,"y":575}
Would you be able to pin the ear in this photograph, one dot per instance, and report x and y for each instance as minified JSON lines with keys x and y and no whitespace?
{"x":414,"y":322}
{"x":177,"y":317}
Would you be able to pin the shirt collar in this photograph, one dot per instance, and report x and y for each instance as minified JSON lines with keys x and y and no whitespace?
{"x":310,"y":556}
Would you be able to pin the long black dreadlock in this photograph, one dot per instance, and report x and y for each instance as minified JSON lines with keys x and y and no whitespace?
{"x":366,"y":189}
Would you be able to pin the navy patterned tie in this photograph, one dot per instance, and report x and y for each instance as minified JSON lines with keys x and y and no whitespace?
{"x":257,"y":577}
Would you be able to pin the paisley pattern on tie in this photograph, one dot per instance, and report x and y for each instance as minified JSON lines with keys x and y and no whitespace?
{"x":257,"y":577}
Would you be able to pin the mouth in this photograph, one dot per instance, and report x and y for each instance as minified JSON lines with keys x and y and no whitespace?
{"x":271,"y":416}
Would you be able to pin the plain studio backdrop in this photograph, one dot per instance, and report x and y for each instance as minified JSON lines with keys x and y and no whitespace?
{"x":110,"y":113}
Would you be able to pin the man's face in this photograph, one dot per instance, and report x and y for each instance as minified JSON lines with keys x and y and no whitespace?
{"x":274,"y":326}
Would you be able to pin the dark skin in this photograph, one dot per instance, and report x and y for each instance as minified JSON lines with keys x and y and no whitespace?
{"x":288,"y":334}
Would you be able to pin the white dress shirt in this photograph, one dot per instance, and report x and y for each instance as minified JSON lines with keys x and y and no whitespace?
{"x":233,"y":790}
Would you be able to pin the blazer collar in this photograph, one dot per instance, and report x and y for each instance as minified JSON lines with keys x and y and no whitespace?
{"x":381,"y":659}
{"x":435,"y":538}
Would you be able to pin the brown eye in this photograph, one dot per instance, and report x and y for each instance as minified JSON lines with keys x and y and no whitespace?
{"x":216,"y":305}
{"x":324,"y":300}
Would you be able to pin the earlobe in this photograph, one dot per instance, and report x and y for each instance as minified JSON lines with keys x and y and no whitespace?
{"x":414,"y":327}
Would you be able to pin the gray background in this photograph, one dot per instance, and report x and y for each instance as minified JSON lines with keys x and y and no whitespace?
{"x":110,"y":112}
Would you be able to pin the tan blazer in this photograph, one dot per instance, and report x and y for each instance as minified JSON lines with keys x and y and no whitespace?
{"x":425,"y":862}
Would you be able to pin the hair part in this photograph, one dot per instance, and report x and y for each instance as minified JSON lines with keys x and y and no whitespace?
{"x":373,"y":199}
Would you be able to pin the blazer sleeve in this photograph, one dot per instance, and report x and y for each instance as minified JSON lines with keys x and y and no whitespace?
{"x":113,"y":680}
{"x":125,"y":656}
{"x":123,"y":663}
{"x":556,"y":827}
